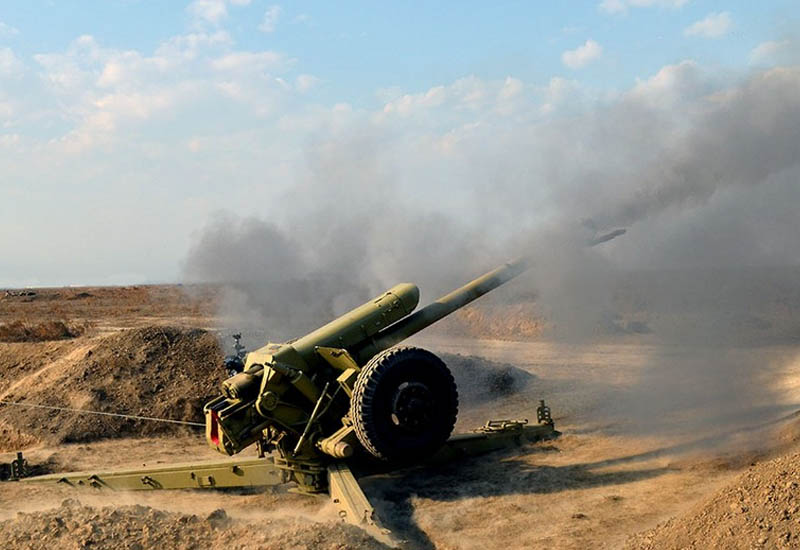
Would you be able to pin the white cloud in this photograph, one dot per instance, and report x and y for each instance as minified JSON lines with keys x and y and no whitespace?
{"x":465,"y":95}
{"x":771,"y":51}
{"x":113,"y":74}
{"x":582,"y":55}
{"x":136,"y":105}
{"x":189,"y":46}
{"x":512,"y":87}
{"x":73,"y":71}
{"x":9,"y":140}
{"x":471,"y":93}
{"x":622,"y":6}
{"x":10,"y":64}
{"x":271,"y":17}
{"x":103,"y":95}
{"x":6,"y":110}
{"x":212,"y":11}
{"x":469,"y":101}
{"x":7,"y":30}
{"x":713,"y":25}
{"x":509,"y":95}
{"x":101,"y":118}
{"x":129,"y":68}
{"x":410,"y":103}
{"x":671,"y":84}
{"x":556,"y":93}
{"x":249,"y":61}
{"x":305,"y":82}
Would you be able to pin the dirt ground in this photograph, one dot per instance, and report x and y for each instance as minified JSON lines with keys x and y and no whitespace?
{"x":631,"y":469}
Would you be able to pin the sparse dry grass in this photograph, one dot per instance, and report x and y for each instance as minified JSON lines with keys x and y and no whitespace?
{"x":19,"y":331}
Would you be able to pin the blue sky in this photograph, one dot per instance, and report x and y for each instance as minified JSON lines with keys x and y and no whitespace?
{"x":356,"y":48}
{"x":126,"y":125}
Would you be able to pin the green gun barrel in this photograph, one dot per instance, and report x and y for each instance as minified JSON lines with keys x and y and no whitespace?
{"x":361,"y":323}
{"x":442,"y":307}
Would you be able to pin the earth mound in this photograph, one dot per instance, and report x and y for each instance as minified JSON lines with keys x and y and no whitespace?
{"x":161,"y":372}
{"x":73,"y":525}
{"x":480,"y":380}
{"x":760,"y":510}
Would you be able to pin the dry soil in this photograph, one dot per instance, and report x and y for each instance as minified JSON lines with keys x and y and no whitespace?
{"x":656,"y":452}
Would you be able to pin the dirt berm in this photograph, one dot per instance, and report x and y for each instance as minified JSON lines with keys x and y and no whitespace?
{"x":163,"y":372}
{"x":761,"y":509}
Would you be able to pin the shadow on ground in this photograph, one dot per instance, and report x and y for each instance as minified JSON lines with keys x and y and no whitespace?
{"x":497,"y":474}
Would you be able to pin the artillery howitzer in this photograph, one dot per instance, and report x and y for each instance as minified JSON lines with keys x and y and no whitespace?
{"x":342,"y":396}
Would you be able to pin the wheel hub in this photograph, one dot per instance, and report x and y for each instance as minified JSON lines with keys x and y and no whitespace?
{"x":412,"y":406}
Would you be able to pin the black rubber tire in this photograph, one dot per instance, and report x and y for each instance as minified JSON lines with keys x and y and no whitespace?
{"x":374,"y":397}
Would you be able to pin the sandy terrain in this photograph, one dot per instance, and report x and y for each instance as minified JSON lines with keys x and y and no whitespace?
{"x":655,"y":447}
